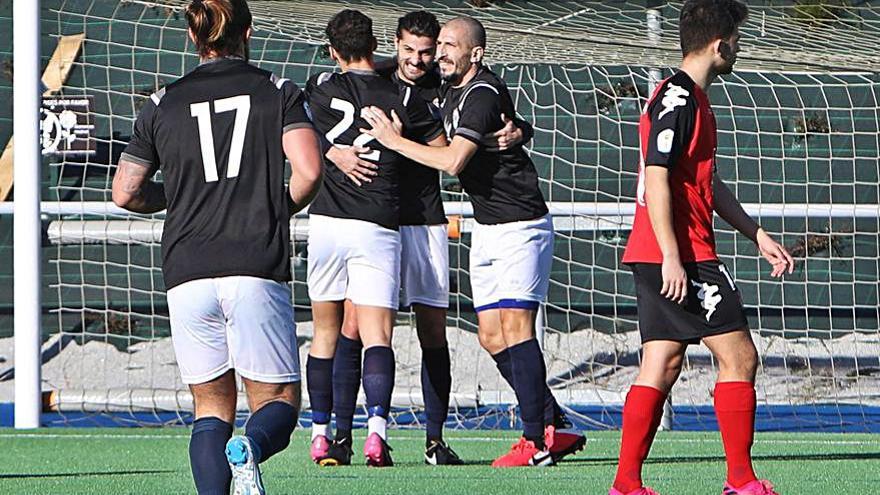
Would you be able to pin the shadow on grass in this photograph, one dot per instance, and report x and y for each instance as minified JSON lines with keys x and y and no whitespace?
{"x":93,"y":473}
{"x":830,"y":456}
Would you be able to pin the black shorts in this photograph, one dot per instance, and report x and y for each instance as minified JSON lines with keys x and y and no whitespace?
{"x":713,"y":304}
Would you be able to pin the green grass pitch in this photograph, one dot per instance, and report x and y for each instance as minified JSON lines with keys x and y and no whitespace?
{"x":154,"y":461}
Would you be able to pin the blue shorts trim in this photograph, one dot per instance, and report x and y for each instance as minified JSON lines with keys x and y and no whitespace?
{"x":509,"y":304}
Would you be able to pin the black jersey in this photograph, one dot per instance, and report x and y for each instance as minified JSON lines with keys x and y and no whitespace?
{"x":216,"y":135}
{"x":420,"y":201}
{"x":503,"y":185}
{"x":335,"y":101}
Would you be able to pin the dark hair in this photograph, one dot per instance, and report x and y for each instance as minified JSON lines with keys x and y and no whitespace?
{"x":419,"y":23}
{"x":351,"y":35}
{"x":476,"y":31}
{"x":704,"y":21}
{"x":219,"y":25}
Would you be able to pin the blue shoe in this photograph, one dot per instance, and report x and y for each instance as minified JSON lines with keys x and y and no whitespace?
{"x":245,"y":471}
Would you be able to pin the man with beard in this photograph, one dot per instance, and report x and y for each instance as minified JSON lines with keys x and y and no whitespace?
{"x":512,"y":243}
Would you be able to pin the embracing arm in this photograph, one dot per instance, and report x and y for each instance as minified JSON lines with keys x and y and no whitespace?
{"x":451,"y":159}
{"x":134,"y":189}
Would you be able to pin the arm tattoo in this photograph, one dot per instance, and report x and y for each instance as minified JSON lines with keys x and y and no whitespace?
{"x":145,"y":196}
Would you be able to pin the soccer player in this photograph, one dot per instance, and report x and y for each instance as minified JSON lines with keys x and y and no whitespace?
{"x":219,"y":135}
{"x":354,"y":241}
{"x":424,"y":250}
{"x":685,"y":294}
{"x":512,"y":246}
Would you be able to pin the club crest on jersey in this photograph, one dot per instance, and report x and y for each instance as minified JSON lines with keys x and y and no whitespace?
{"x":709,"y":297}
{"x":674,"y":96}
{"x":452,"y":126}
{"x":664,"y":140}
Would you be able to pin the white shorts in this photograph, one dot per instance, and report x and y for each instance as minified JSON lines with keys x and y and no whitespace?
{"x":353,"y":259}
{"x":510,"y":263}
{"x":424,"y":265}
{"x":236,"y":322}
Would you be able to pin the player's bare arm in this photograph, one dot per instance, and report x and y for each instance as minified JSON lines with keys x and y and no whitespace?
{"x":134,"y":189}
{"x":658,"y":198}
{"x":302,"y":149}
{"x":451,"y":159}
{"x":730,"y":209}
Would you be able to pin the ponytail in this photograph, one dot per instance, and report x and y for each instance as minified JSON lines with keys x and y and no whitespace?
{"x":219,"y":26}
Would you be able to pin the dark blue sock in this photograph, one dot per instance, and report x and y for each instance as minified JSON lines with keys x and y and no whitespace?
{"x":319,"y":377}
{"x":207,"y":457}
{"x":378,"y":379}
{"x":269,"y":428}
{"x":552,"y":412}
{"x":346,"y":383}
{"x":530,"y":382}
{"x":436,"y":384}
{"x":502,"y":362}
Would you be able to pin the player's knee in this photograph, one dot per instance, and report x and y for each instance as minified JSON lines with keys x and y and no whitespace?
{"x":350,"y":329}
{"x":741,"y":365}
{"x":662,"y":374}
{"x":492,"y":342}
{"x":323,"y":342}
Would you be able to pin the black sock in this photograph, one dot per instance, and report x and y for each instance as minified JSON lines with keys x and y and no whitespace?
{"x":269,"y":428}
{"x":502,"y":362}
{"x":319,"y":377}
{"x":530,"y":382}
{"x":378,"y":379}
{"x":207,"y":455}
{"x":436,"y":385}
{"x":346,"y":383}
{"x":553,"y":414}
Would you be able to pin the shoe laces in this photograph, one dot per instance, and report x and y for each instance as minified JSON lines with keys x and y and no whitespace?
{"x":768,"y":487}
{"x":523,"y":445}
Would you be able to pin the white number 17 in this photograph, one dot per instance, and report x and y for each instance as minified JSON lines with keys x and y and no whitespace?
{"x":202,"y":112}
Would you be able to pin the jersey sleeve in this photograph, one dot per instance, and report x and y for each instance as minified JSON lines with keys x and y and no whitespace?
{"x":423,"y":126}
{"x":295,"y":116}
{"x":673,"y":117}
{"x":141,"y":147}
{"x":480,"y":113}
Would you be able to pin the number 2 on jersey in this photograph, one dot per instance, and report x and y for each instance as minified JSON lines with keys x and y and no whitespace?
{"x":202,"y":112}
{"x":348,"y":111}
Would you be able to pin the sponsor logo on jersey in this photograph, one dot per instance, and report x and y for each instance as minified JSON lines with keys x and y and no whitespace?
{"x":674,"y":96}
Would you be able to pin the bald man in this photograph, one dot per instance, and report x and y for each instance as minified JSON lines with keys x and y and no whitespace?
{"x":512,"y":243}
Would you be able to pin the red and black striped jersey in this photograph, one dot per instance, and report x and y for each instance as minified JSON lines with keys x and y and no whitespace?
{"x":677,"y":131}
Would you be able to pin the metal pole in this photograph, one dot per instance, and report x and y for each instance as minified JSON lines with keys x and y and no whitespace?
{"x":26,"y":221}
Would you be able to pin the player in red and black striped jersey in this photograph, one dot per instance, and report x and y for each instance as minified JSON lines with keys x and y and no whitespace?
{"x":685,"y":294}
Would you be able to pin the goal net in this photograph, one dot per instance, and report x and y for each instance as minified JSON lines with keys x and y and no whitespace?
{"x":798,"y":143}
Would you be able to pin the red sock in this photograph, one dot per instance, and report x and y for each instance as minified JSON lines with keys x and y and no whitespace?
{"x":735,"y":410}
{"x":641,"y":417}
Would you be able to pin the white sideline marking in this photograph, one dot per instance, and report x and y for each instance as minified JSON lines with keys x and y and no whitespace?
{"x":418,"y":438}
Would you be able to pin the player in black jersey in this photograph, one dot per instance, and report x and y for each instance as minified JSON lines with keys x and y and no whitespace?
{"x":512,"y":243}
{"x":424,"y":260}
{"x":220,"y":135}
{"x":354,"y":241}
